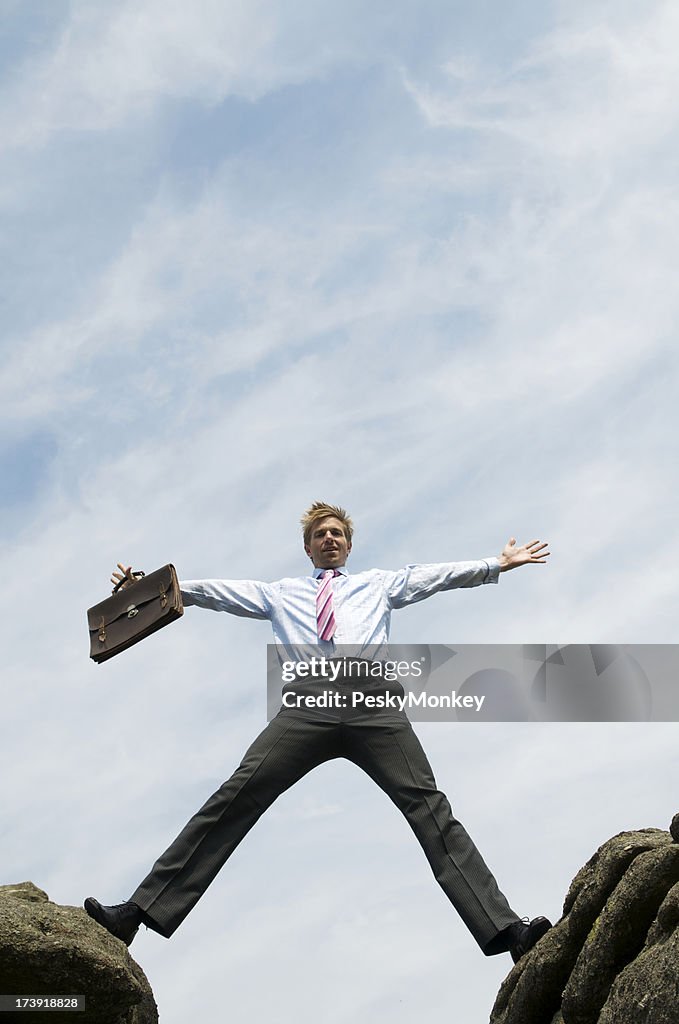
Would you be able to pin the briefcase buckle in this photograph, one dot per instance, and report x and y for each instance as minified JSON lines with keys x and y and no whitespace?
{"x":132,"y":611}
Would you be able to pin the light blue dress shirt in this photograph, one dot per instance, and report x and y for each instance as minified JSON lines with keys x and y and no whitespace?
{"x":362,"y":601}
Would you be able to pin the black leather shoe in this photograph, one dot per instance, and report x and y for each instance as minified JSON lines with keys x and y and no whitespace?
{"x":122,"y":921}
{"x":525,"y":934}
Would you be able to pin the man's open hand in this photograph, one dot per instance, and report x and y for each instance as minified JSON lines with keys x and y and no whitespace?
{"x":512,"y":557}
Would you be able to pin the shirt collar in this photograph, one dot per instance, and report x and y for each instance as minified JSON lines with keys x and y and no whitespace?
{"x":341,"y":569}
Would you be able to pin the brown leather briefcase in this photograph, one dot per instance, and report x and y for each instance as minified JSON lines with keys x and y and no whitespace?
{"x":134,"y":612}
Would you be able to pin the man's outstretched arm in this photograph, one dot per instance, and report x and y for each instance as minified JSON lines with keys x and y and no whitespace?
{"x":417,"y":582}
{"x":532,"y":553}
{"x":248,"y":598}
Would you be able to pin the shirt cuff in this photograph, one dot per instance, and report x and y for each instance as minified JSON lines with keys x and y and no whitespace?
{"x":187,"y":595}
{"x":493,"y":575}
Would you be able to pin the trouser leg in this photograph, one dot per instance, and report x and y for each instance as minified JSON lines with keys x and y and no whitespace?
{"x":393,"y":757}
{"x":283,"y":753}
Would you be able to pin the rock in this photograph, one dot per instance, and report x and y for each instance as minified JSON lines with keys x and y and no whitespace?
{"x":613,"y":958}
{"x":674,"y":828}
{"x":48,"y":949}
{"x":667,"y":920}
{"x":619,"y":933}
{"x":647,"y":990}
{"x":532,"y":990}
{"x":605,"y":868}
{"x":24,"y":891}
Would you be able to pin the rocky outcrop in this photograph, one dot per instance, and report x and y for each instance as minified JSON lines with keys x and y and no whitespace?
{"x":47,"y":949}
{"x":613,"y":958}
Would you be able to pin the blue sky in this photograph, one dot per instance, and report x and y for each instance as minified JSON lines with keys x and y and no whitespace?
{"x":414,"y":258}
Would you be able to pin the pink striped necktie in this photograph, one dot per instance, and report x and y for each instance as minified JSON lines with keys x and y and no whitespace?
{"x":325,"y":615}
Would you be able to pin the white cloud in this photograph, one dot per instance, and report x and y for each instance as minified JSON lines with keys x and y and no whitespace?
{"x":115,"y":63}
{"x":583,"y":92}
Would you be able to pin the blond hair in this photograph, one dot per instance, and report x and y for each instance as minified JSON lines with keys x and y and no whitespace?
{"x":321,"y":510}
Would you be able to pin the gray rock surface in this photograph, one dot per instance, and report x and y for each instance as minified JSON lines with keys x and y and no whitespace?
{"x":674,"y":828}
{"x":613,"y":957}
{"x":48,"y":949}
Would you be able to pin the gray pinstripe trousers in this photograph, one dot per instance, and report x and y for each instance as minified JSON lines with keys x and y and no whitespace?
{"x":388,"y":750}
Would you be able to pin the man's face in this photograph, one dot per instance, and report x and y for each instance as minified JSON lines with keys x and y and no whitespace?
{"x":328,"y":547}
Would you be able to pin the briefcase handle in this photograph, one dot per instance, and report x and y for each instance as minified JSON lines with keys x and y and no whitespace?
{"x":126,"y":579}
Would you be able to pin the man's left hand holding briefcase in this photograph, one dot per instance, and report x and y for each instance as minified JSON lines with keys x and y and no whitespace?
{"x":139,"y":606}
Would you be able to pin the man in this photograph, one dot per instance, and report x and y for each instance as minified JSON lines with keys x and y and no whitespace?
{"x":328,"y":608}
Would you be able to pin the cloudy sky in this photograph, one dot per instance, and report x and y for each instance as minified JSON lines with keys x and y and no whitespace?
{"x":418,"y":258}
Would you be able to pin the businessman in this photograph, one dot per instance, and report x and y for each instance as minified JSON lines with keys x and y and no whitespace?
{"x":327,"y":608}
